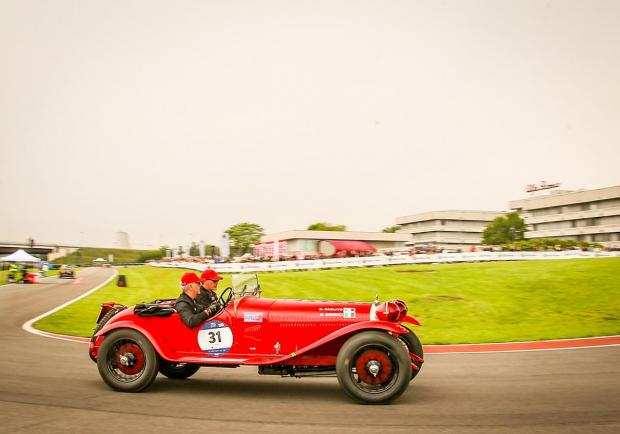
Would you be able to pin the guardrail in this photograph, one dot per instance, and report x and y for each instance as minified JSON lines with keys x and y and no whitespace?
{"x":380,"y":261}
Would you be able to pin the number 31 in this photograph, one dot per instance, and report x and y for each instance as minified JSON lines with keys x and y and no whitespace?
{"x":212,"y":336}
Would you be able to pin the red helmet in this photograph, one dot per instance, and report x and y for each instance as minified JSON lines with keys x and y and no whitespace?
{"x":210,"y":275}
{"x":188,"y":278}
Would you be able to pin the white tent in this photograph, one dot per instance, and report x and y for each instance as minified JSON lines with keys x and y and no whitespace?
{"x":20,"y":256}
{"x":99,"y":260}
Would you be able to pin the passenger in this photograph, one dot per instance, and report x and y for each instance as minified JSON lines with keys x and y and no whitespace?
{"x":192,"y":313}
{"x":208,"y":296}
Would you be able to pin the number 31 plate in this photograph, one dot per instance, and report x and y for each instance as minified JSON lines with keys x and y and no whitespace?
{"x":215,"y":338}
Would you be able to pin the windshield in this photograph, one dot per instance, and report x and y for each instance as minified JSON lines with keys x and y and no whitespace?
{"x":245,"y":284}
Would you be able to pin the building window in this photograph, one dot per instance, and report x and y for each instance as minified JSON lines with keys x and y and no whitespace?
{"x":602,"y":237}
{"x":585,"y":206}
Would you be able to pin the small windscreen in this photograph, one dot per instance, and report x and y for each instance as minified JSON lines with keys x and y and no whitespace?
{"x":244,"y":284}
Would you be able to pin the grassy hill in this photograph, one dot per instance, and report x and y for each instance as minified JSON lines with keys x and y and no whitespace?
{"x":86,"y":255}
{"x":456,"y":303}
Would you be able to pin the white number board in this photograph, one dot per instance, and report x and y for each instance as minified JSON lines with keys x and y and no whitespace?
{"x":215,"y":338}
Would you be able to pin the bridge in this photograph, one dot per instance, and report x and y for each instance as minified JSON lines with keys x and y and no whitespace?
{"x":51,"y":251}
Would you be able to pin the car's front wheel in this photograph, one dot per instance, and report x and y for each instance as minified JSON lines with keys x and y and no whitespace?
{"x":373,"y":367}
{"x":127,"y":361}
{"x":177,"y":371}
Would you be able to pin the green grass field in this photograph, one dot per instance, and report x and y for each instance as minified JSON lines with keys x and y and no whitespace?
{"x":456,"y":303}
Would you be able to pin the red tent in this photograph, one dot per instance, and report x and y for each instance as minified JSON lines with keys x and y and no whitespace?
{"x":345,"y":248}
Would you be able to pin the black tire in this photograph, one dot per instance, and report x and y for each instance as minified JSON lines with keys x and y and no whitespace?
{"x":177,"y":371}
{"x":365,"y":351}
{"x":127,"y":361}
{"x":414,"y":345}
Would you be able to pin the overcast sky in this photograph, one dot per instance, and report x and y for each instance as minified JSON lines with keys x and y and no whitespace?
{"x":174,"y":120}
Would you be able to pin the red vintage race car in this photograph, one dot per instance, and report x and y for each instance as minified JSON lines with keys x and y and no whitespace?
{"x":365,"y":345}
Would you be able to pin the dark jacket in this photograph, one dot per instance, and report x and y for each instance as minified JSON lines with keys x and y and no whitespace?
{"x":206,"y":298}
{"x":191,"y":313}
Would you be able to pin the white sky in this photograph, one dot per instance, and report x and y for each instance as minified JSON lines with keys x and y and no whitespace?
{"x":175,"y":120}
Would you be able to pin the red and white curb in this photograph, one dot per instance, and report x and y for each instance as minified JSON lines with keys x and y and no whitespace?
{"x":500,"y":347}
{"x":28,"y":324}
{"x":509,"y":347}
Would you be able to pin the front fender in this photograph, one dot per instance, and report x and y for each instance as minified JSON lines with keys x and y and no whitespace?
{"x":410,"y":319}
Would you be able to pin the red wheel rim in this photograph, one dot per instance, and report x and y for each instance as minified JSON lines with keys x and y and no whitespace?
{"x":129,"y":359}
{"x":377,"y":358}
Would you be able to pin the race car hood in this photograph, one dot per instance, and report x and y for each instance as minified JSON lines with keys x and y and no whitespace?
{"x":284,"y":310}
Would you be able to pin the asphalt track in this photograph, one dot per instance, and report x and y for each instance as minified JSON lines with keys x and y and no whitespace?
{"x":51,"y":386}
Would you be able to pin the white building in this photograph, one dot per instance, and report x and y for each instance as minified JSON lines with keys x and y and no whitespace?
{"x":458,"y":229}
{"x":585,"y":215}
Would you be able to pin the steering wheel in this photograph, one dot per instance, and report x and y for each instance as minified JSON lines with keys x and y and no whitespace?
{"x":225,"y":297}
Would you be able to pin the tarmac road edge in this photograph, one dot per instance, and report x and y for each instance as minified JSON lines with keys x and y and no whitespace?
{"x":27,"y":326}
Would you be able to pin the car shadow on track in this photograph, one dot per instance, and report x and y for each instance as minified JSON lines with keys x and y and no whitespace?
{"x":276,"y":389}
{"x":253,"y":389}
{"x":309,"y":389}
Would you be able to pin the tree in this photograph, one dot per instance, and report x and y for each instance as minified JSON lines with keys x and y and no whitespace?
{"x":194,"y":250}
{"x":243,"y":236}
{"x":324,"y":226}
{"x":391,"y":229}
{"x":504,"y":229}
{"x":153,"y":254}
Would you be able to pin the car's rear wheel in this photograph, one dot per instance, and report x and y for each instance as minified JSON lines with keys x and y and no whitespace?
{"x":413,"y":344}
{"x":127,"y":361}
{"x":177,"y":371}
{"x":373,"y":367}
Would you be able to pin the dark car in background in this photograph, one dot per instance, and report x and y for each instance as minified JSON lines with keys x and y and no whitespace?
{"x":66,"y":272}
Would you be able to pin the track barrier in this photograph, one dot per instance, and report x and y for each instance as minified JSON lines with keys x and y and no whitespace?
{"x":380,"y":261}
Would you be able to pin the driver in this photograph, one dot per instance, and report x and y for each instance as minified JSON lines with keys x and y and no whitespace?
{"x":191,"y":312}
{"x":208,"y":296}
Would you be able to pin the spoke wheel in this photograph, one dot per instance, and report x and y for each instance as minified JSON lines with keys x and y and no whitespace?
{"x":128,"y":358}
{"x":373,"y":367}
{"x":127,"y":361}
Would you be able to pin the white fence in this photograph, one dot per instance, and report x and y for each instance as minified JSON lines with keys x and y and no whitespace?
{"x":379,"y":261}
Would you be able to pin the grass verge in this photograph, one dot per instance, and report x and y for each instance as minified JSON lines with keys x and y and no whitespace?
{"x":456,"y":303}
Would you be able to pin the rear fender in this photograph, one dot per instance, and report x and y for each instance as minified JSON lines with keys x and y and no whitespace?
{"x":388,"y":327}
{"x":160,"y":347}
